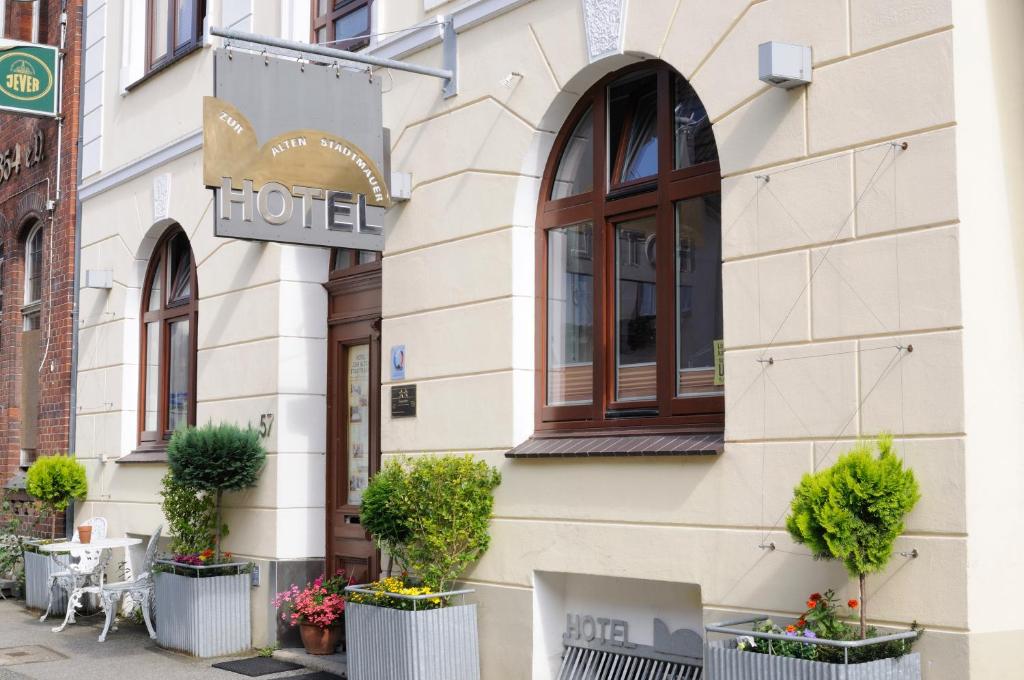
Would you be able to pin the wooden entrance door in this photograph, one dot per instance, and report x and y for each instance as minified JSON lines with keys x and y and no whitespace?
{"x":353,"y":414}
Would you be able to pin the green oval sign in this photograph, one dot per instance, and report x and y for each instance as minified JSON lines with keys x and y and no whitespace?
{"x":27,"y":78}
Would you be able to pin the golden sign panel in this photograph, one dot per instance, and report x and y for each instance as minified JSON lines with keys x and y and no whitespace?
{"x":304,"y":157}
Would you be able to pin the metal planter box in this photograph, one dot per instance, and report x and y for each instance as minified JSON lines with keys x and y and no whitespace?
{"x":435,"y":644}
{"x":207,"y":616}
{"x":38,"y":567}
{"x":722,"y":661}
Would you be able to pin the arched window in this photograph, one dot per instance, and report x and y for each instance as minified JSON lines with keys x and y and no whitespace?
{"x":629,"y":246}
{"x":33,"y":299}
{"x":168,"y":337}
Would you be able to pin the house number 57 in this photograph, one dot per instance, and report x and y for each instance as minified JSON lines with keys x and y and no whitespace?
{"x":266,"y":424}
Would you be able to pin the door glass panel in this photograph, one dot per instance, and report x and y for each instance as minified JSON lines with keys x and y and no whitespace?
{"x":152,"y":375}
{"x":570,"y":315}
{"x":636,"y":310}
{"x":575,"y":173}
{"x":698,"y":294}
{"x":695,"y":143}
{"x":357,"y":416}
{"x":177,"y":375}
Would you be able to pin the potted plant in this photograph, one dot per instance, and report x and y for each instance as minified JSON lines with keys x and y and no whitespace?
{"x":852,"y":512}
{"x":203,"y":594}
{"x":432,"y":515}
{"x":54,"y":482}
{"x":318,"y":611}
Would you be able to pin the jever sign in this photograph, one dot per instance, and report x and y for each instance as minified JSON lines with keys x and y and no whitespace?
{"x":28,"y":80}
{"x":293,"y":153}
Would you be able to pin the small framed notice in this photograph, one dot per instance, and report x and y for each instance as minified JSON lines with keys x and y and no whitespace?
{"x":403,"y":401}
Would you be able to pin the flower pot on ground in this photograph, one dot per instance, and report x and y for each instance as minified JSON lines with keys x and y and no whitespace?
{"x":819,"y":645}
{"x":203,"y":609}
{"x":203,"y":596}
{"x":431,"y":515}
{"x":318,"y":611}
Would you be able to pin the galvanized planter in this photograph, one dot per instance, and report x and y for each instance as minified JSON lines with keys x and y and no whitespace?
{"x":206,"y":616}
{"x":38,"y":567}
{"x":722,"y":661}
{"x":432,"y":644}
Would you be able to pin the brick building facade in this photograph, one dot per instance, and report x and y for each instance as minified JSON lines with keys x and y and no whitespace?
{"x":37,"y":252}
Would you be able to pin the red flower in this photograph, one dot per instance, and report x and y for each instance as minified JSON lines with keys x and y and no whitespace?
{"x":815,"y":597}
{"x":801,"y":623}
{"x":852,"y":604}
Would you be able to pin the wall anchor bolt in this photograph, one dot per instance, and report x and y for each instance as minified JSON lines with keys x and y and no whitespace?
{"x":912,"y":554}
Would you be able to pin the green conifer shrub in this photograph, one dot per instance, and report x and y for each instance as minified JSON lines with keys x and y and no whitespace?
{"x":854,"y":511}
{"x":56,"y":481}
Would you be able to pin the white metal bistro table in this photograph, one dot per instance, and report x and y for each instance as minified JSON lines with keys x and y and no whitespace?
{"x":77,"y":548}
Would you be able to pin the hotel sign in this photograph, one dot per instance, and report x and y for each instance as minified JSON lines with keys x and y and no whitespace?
{"x":28,"y":78}
{"x":294,"y":152}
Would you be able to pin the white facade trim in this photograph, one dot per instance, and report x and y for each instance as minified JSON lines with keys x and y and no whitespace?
{"x":428,"y":33}
{"x":126,"y":173}
{"x":604,"y":21}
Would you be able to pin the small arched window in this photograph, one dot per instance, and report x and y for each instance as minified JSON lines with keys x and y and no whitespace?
{"x":629,"y":241}
{"x":33,"y":299}
{"x":168,"y":337}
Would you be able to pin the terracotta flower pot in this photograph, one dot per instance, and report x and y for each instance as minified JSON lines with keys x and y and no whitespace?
{"x":318,"y":640}
{"x":85,"y":533}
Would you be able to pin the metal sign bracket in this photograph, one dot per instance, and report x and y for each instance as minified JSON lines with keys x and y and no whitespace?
{"x":449,"y":75}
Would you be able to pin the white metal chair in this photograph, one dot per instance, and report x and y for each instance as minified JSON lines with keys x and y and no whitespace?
{"x":78,"y":569}
{"x":139,"y":588}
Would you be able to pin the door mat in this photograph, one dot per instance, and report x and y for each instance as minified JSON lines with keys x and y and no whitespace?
{"x":256,"y":666}
{"x":15,"y":656}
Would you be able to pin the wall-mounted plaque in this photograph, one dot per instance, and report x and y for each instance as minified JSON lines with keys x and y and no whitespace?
{"x":403,"y":401}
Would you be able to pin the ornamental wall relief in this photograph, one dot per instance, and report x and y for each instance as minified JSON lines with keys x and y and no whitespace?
{"x":604,"y":20}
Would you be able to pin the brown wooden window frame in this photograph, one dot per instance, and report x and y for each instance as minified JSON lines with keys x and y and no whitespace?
{"x":174,"y":51}
{"x":336,"y":9}
{"x":607,"y":204}
{"x":165,"y":316}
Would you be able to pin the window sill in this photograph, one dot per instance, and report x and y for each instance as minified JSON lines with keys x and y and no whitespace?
{"x":191,"y":49}
{"x":144,"y":455}
{"x":613,"y":445}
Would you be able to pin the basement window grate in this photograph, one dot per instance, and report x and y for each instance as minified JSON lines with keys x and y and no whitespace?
{"x":584,"y":662}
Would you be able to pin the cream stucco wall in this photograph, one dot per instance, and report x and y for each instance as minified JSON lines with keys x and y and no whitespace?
{"x":853,"y":249}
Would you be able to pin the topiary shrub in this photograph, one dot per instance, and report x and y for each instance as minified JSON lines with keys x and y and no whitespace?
{"x":433,"y":513}
{"x":854,"y":511}
{"x":215,"y":459}
{"x":56,"y":481}
{"x":191,"y":517}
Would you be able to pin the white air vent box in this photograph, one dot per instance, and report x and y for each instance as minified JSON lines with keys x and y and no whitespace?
{"x":784,"y":65}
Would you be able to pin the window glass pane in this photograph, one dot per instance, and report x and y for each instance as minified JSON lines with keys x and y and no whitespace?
{"x":152,"y":376}
{"x":352,"y":25}
{"x":321,"y":7}
{"x":698,"y":293}
{"x":570,"y":319}
{"x":321,"y":35}
{"x":34,"y":267}
{"x":177,"y":375}
{"x":695,"y":142}
{"x":186,"y":21}
{"x":633,"y":123}
{"x":575,"y":173}
{"x":155,"y":300}
{"x":636,"y":310}
{"x":358,"y":418}
{"x":158,"y":29}
{"x":179,"y":279}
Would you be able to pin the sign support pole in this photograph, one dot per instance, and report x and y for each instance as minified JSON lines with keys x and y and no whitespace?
{"x":448,"y":75}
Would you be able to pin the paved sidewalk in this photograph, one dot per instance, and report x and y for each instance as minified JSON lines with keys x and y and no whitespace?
{"x":128,"y":653}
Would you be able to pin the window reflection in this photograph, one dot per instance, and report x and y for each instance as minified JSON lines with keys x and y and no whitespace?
{"x":575,"y":174}
{"x":698,"y":293}
{"x":633,"y":128}
{"x":636,"y":309}
{"x":570,"y":315}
